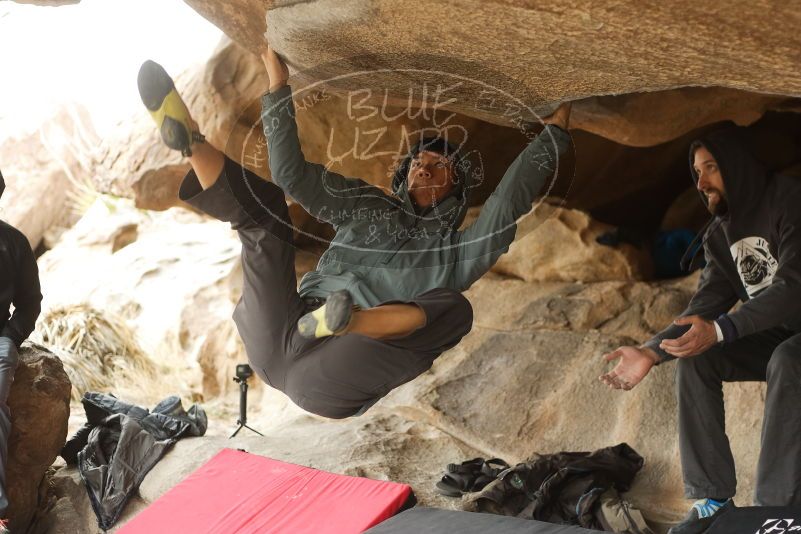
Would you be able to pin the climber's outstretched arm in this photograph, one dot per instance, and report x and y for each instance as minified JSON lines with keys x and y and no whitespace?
{"x":326,"y":195}
{"x":491,"y":234}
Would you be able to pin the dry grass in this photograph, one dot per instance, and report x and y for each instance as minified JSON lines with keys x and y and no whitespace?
{"x":99,"y":351}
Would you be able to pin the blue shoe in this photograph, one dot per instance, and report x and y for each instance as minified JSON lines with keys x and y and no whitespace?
{"x":701,"y":516}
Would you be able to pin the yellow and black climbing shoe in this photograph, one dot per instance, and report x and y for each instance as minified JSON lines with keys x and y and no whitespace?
{"x":330,"y":319}
{"x":166,"y":107}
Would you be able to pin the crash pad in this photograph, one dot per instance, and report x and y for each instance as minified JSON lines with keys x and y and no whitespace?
{"x":758,"y":520}
{"x":238,"y":492}
{"x":433,"y":520}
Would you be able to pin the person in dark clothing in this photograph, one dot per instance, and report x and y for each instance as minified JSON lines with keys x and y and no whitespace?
{"x":400,"y":259}
{"x":752,"y":246}
{"x":19,"y":286}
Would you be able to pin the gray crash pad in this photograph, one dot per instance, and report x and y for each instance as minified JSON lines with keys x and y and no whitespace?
{"x":433,"y":520}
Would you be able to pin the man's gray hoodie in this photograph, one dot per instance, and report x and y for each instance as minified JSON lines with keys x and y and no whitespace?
{"x":383,"y":249}
{"x":753,"y":252}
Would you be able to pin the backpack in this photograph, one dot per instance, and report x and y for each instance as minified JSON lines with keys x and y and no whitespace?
{"x":563,"y":488}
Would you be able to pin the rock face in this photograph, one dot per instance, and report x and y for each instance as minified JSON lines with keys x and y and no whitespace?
{"x":569,"y":51}
{"x":39,"y":404}
{"x":44,"y":171}
{"x":173,"y":277}
{"x":554,"y":244}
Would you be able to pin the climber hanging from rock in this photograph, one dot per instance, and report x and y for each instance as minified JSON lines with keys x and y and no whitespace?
{"x":378,"y":309}
{"x":753,"y":249}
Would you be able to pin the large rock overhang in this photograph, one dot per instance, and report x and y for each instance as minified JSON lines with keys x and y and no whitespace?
{"x":639,"y":74}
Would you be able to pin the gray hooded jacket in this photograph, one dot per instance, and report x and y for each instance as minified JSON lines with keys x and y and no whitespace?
{"x":753,"y":252}
{"x":384,"y":250}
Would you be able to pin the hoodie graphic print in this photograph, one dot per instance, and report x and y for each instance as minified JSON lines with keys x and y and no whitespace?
{"x":755,"y":263}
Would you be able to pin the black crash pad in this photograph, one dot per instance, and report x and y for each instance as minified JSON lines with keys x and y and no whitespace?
{"x":421,"y":520}
{"x":759,"y":520}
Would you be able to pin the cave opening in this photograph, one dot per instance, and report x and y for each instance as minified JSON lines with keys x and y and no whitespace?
{"x":651,"y":187}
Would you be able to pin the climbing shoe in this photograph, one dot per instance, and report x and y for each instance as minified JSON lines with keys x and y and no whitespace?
{"x":166,"y":107}
{"x":330,"y":319}
{"x":701,"y":516}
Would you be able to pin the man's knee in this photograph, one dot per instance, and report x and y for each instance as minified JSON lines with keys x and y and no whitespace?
{"x":703,"y":366}
{"x":446,"y":301}
{"x":686,"y":370}
{"x":785,"y":361}
{"x":462,"y":311}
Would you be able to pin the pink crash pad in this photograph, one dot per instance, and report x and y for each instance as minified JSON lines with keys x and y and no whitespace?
{"x":238,"y":492}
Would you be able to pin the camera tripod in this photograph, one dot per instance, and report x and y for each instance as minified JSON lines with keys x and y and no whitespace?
{"x":243,"y":372}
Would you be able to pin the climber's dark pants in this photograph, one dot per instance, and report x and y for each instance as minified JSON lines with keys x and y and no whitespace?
{"x":773,"y":356}
{"x":335,"y":376}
